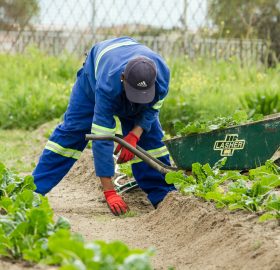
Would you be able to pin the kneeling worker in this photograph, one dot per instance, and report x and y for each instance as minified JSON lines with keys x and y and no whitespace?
{"x":122,"y":78}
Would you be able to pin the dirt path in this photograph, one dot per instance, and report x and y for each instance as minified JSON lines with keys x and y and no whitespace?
{"x":186,"y":232}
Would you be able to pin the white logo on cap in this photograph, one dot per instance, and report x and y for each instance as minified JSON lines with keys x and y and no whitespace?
{"x":142,"y":84}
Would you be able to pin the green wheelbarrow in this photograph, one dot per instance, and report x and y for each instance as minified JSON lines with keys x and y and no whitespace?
{"x":246,"y":146}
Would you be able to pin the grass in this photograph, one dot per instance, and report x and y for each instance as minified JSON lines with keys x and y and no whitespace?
{"x":14,"y":146}
{"x":19,"y":149}
{"x":34,"y":88}
{"x":129,"y":214}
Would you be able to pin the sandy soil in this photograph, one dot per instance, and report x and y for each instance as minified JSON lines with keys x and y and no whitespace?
{"x":186,"y":232}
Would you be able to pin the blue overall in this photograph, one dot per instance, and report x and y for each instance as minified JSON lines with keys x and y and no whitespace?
{"x":97,"y":97}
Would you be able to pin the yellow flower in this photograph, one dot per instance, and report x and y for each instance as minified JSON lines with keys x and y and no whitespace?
{"x":260,"y":76}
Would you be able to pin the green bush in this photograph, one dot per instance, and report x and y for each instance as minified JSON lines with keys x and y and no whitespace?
{"x":204,"y":90}
{"x":34,"y":88}
{"x":264,"y":102}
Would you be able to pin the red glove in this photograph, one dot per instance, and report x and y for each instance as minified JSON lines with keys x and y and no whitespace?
{"x":126,"y":155}
{"x":115,"y":202}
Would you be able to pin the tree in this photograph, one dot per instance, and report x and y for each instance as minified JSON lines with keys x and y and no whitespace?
{"x":248,"y":19}
{"x":17,"y":13}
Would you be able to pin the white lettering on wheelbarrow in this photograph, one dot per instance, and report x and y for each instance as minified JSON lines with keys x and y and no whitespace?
{"x":229,"y":145}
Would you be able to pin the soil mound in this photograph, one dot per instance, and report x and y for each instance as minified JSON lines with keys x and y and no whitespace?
{"x":193,"y":234}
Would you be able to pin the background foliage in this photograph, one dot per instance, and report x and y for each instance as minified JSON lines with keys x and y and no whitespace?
{"x":17,"y":12}
{"x":207,"y":89}
{"x":35,"y":88}
{"x":248,"y":19}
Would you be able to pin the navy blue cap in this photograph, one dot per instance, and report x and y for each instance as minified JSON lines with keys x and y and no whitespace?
{"x":139,"y":80}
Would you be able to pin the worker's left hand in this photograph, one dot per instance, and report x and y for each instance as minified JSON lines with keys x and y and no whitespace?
{"x":126,"y":155}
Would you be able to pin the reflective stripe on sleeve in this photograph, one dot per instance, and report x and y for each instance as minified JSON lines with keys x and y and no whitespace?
{"x":109,"y":48}
{"x":66,"y":152}
{"x":100,"y":130}
{"x":156,"y":153}
{"x":158,"y":104}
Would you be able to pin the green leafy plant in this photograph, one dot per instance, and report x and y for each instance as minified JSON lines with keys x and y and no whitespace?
{"x":239,"y":117}
{"x":231,"y":189}
{"x":28,"y":231}
{"x":272,"y":205}
{"x":262,"y":102}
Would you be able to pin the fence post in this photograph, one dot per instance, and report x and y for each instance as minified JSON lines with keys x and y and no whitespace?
{"x":185,"y":26}
{"x":93,"y":21}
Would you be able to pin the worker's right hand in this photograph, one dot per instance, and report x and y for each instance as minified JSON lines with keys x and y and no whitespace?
{"x":115,"y":202}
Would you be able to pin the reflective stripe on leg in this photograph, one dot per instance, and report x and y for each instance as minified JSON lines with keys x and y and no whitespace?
{"x":156,"y":153}
{"x":66,"y":152}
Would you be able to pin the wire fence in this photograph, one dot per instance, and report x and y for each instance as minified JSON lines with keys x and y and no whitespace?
{"x":196,"y":28}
